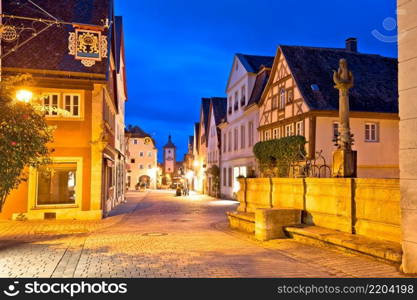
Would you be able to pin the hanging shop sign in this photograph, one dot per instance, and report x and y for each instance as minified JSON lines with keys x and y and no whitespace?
{"x":88,"y":46}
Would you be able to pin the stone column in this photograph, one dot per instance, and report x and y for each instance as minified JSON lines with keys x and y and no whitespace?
{"x":344,"y":158}
{"x":407,"y":43}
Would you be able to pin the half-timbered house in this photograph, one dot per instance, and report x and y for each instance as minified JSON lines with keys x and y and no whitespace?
{"x":300,"y":99}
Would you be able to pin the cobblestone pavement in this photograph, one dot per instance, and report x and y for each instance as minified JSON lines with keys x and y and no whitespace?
{"x":158,"y":235}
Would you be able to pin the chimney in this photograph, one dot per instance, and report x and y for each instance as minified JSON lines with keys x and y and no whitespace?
{"x":352,"y":45}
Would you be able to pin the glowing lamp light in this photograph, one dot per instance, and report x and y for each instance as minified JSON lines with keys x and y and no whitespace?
{"x":189,"y":175}
{"x":196,"y":163}
{"x":24,"y":96}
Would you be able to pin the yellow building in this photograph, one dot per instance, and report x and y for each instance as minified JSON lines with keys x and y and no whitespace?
{"x":79,"y":80}
{"x":143,"y":159}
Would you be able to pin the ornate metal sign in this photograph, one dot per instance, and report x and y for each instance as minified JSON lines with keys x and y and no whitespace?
{"x":88,"y":46}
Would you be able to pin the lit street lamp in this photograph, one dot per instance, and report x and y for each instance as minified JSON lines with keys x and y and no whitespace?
{"x":24,"y":96}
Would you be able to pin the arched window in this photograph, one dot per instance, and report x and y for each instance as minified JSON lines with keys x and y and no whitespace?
{"x":282,"y":99}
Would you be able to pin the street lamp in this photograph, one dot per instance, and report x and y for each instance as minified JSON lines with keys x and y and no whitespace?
{"x":24,"y":96}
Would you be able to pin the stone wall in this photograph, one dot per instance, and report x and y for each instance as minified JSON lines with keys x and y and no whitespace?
{"x":368,"y":207}
{"x":407,"y":86}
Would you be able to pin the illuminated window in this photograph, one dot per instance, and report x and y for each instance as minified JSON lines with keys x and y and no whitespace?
{"x":57,"y":184}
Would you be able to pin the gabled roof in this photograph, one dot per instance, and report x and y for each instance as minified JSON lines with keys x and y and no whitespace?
{"x":49,"y":50}
{"x":137,"y":132}
{"x":206,"y":104}
{"x":375,"y":78}
{"x":191,"y":140}
{"x":219,"y":109}
{"x":253,"y":63}
{"x":259,"y":86}
{"x":375,"y":87}
{"x":196,"y":135}
{"x":205,"y":109}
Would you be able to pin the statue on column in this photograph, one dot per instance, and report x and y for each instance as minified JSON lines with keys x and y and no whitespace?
{"x":344,"y":158}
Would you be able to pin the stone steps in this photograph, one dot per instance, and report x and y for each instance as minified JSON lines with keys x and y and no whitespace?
{"x":390,"y":252}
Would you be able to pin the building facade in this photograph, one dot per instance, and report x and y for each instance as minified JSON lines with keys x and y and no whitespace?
{"x":239,"y":130}
{"x":143,"y":160}
{"x":217,"y":114}
{"x":80,"y":94}
{"x":300,"y":99}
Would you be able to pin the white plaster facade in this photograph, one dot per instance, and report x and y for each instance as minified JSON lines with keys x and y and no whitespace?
{"x":239,"y":133}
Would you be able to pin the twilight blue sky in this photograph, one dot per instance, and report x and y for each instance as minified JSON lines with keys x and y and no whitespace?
{"x":179,"y":51}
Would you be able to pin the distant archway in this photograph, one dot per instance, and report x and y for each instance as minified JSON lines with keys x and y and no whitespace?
{"x":145,"y":179}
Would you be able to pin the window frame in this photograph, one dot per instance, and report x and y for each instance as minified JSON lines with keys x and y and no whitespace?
{"x":64,"y":104}
{"x":299,"y":125}
{"x":49,"y":112}
{"x":33,"y":185}
{"x":375,"y":125}
{"x":291,"y":133}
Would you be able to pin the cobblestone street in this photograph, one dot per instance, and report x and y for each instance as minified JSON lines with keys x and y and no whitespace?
{"x":157,"y":235}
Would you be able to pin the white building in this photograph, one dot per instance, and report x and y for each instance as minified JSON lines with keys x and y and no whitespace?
{"x":217,"y":114}
{"x":247,"y":79}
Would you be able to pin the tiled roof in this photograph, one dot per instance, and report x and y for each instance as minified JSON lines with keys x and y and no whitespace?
{"x":219,"y":109}
{"x":118,"y":25}
{"x":205,"y":106}
{"x":197,"y":134}
{"x":375,"y":88}
{"x":49,"y":50}
{"x":259,"y":86}
{"x":137,"y":132}
{"x":253,"y":63}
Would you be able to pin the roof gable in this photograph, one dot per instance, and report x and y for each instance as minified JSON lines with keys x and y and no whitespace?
{"x":244,"y":63}
{"x":376,"y":82}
